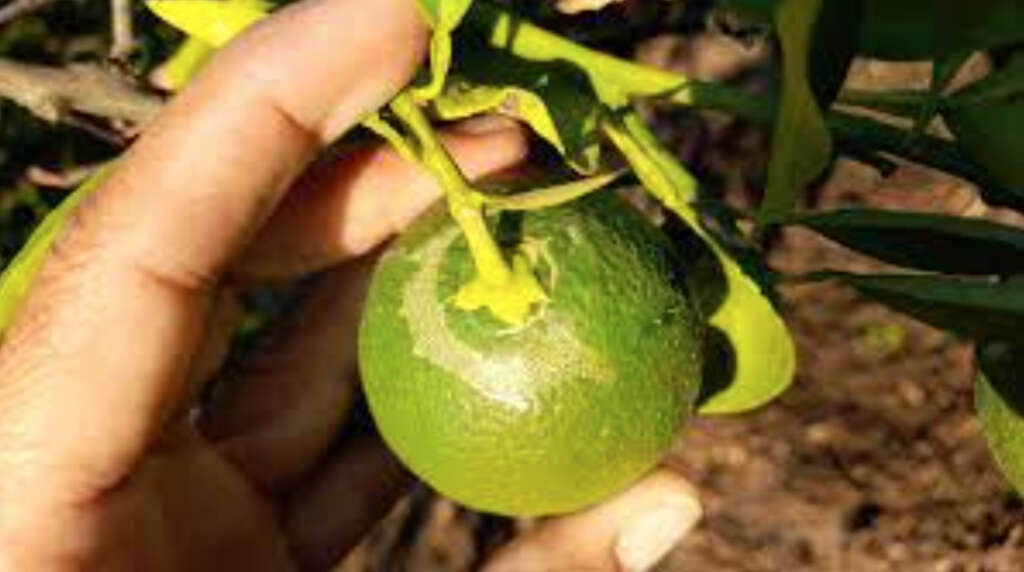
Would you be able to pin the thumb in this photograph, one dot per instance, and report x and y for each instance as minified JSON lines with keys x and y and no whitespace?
{"x":632,"y":531}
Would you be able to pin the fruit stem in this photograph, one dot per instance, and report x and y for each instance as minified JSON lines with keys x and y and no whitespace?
{"x":464,"y":202}
{"x":660,"y":172}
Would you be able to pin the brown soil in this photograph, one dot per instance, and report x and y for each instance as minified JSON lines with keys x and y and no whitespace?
{"x":874,"y":459}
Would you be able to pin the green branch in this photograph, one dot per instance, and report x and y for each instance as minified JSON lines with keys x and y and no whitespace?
{"x":463,"y":201}
{"x":509,"y":289}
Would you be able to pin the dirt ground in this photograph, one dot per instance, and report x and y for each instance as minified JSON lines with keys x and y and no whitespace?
{"x":873,"y":461}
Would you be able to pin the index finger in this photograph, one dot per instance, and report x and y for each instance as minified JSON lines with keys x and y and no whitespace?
{"x":99,"y":353}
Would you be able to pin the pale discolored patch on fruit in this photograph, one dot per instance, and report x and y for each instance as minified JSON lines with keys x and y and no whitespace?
{"x":551,"y":415}
{"x":551,"y":353}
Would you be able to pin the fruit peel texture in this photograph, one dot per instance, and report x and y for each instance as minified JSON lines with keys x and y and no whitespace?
{"x":552,"y":415}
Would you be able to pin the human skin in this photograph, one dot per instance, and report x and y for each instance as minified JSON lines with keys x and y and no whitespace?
{"x":107,"y":462}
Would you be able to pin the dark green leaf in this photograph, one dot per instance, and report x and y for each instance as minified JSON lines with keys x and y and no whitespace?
{"x":554,"y":99}
{"x":833,"y":48}
{"x":975,"y":308}
{"x":926,"y":29}
{"x":758,"y":10}
{"x":921,"y":29}
{"x":802,"y":144}
{"x":926,"y":241}
{"x":999,"y":399}
{"x":988,"y":121}
{"x":946,"y":67}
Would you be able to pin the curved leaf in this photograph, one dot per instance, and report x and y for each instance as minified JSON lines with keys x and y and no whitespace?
{"x":834,"y":45}
{"x":988,"y":119}
{"x":760,"y":11}
{"x":921,"y":29}
{"x":19,"y":275}
{"x":975,"y":308}
{"x":999,"y":399}
{"x":187,"y":60}
{"x":927,"y":29}
{"x":802,"y":144}
{"x":443,"y":16}
{"x":553,"y":99}
{"x":934,"y":242}
{"x":752,"y":359}
{"x":764,"y":358}
{"x":213,"y":22}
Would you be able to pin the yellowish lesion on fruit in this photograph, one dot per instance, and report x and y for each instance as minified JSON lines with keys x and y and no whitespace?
{"x":547,"y":349}
{"x":512,"y":300}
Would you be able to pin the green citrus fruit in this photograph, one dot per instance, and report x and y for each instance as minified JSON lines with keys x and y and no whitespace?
{"x":557,"y":413}
{"x":999,"y":399}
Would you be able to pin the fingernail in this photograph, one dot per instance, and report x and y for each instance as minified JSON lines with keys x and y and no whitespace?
{"x":484,"y":124}
{"x":648,"y":537}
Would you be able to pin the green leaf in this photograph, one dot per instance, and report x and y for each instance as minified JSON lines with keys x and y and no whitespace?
{"x":553,"y":99}
{"x":945,"y":69}
{"x":189,"y":58}
{"x":987,"y":119}
{"x":975,"y":308}
{"x":934,"y":242}
{"x":211,"y":22}
{"x":444,"y":16}
{"x":920,"y":29}
{"x":801,"y":145}
{"x":999,"y":400}
{"x":214,"y":22}
{"x":750,"y":357}
{"x":760,"y":11}
{"x":545,"y":197}
{"x":927,"y":29}
{"x":19,"y":275}
{"x":615,"y":81}
{"x":834,"y":45}
{"x":759,"y":361}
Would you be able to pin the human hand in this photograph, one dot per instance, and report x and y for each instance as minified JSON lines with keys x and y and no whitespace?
{"x":105,"y":461}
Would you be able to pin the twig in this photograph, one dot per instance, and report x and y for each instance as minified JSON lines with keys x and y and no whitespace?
{"x":577,"y":6}
{"x":51,"y":93}
{"x":68,"y":179}
{"x":19,"y":8}
{"x":123,"y":40}
{"x":99,"y":130}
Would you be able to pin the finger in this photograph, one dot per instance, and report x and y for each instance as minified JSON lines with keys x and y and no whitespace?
{"x":630,"y":532}
{"x":226,"y":313}
{"x":99,"y":356}
{"x":294,"y":390}
{"x":326,"y":517}
{"x":343,"y":208}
